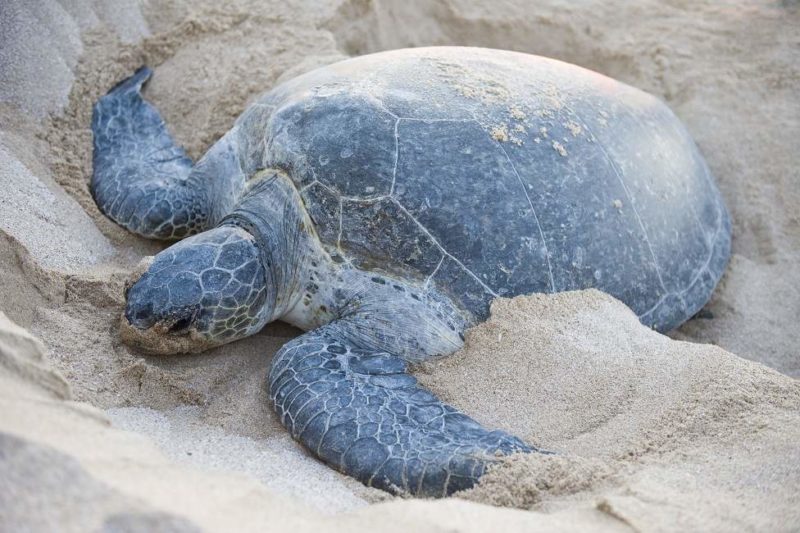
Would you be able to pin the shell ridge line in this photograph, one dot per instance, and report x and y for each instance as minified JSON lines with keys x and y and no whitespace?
{"x":339,"y":237}
{"x":710,"y":242}
{"x":695,"y":279}
{"x":535,"y":218}
{"x":315,"y":182}
{"x":445,"y":252}
{"x":432,"y":120}
{"x":638,"y":119}
{"x":363,"y":88}
{"x":628,"y":195}
{"x":396,"y":153}
{"x":435,"y":270}
{"x":712,"y":185}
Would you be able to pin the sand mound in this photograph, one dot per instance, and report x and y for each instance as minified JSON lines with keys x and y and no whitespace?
{"x":651,"y":433}
{"x":641,"y":422}
{"x":64,"y":467}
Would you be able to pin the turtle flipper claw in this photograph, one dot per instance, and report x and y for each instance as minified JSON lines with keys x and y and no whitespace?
{"x":140,"y":177}
{"x":361,"y":413}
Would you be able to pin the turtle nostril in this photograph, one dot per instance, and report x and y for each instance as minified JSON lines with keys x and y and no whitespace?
{"x":140,"y":316}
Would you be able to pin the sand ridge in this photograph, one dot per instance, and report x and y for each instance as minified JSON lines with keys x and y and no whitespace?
{"x":640,"y":422}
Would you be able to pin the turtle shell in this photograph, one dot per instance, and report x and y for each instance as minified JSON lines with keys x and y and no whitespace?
{"x":490,"y":173}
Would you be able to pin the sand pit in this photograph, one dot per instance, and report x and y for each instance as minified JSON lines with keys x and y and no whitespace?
{"x":653,"y":434}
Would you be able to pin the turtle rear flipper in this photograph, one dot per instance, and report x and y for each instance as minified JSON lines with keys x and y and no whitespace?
{"x":360,"y":412}
{"x":144,"y":181}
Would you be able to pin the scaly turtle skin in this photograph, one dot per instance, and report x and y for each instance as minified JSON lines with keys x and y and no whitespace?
{"x":381,"y":204}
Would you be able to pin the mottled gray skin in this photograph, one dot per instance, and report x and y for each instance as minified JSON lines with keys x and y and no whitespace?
{"x":381,"y":204}
{"x":222,"y":293}
{"x":146,"y":183}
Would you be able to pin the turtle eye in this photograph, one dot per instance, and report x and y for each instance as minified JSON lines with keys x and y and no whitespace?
{"x":183,"y":322}
{"x":180,"y":326}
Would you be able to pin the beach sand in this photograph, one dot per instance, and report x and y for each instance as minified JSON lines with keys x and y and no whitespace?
{"x":696,"y":431}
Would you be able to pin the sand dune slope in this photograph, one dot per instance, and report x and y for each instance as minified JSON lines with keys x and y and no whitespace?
{"x":650,"y":434}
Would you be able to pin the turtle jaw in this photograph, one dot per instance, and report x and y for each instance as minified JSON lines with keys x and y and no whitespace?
{"x":204,"y":291}
{"x":172,"y":333}
{"x":161,"y":338}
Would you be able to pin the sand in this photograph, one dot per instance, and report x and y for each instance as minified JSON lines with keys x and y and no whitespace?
{"x":652,"y":433}
{"x":644,"y":426}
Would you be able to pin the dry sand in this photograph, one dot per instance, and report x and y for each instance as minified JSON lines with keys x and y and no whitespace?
{"x":652,"y":434}
{"x":647,"y":428}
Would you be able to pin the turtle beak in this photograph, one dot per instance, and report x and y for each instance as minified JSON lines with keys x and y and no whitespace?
{"x":140,"y":314}
{"x":168,"y":334}
{"x":150,"y":323}
{"x":199,"y":293}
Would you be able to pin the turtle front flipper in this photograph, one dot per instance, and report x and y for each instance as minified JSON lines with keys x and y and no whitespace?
{"x":363,"y":414}
{"x":145,"y":182}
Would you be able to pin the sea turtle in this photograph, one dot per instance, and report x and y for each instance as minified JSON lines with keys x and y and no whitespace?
{"x":380,"y":204}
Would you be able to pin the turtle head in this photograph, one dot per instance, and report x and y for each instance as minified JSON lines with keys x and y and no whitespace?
{"x":206,"y":290}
